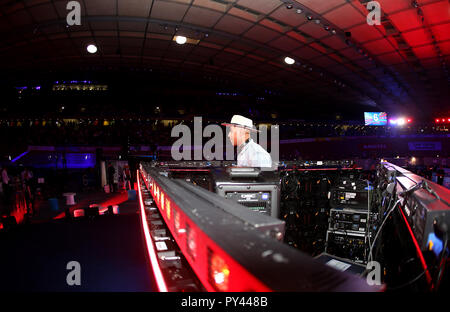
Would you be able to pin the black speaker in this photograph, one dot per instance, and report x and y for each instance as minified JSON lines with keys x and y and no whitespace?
{"x":91,"y":212}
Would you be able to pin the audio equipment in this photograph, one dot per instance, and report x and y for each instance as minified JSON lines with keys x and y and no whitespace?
{"x":348,"y":245}
{"x":257,"y":190}
{"x":425,"y":205}
{"x":351,"y":193}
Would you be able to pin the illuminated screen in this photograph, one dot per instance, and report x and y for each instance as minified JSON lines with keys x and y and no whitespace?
{"x":375,"y":119}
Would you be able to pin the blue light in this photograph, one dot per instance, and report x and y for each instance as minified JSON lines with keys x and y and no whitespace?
{"x":265,"y":196}
{"x":436,"y":243}
{"x":20,"y":156}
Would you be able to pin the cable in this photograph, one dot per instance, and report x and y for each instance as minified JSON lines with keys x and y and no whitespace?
{"x":442,"y":263}
{"x":381,"y":227}
{"x":368,"y":213}
{"x":410,"y":282}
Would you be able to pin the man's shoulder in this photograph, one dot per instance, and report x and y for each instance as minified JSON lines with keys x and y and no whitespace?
{"x":259,"y":147}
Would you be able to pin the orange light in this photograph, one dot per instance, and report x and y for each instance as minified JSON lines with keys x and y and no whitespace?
{"x":168,"y":209}
{"x":219,"y":273}
{"x":176,"y":221}
{"x":157,"y":194}
{"x":162,"y":201}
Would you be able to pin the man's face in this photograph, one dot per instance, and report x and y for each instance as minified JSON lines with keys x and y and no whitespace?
{"x":233,"y":135}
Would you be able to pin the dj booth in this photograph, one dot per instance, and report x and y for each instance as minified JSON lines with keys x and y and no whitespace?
{"x":308,"y":226}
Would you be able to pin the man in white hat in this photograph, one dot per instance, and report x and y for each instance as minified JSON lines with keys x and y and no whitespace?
{"x":250,"y":154}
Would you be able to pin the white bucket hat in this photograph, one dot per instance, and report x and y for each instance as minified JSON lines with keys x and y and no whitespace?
{"x":241,"y":122}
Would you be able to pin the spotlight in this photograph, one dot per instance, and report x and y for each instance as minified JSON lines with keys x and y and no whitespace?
{"x":415,"y":4}
{"x":289,"y":6}
{"x":299,"y":11}
{"x":180,"y":39}
{"x":317,"y":21}
{"x":309,"y":17}
{"x":92,"y":48}
{"x":326,"y":27}
{"x":289,"y":60}
{"x":333,"y":31}
{"x":400,"y":121}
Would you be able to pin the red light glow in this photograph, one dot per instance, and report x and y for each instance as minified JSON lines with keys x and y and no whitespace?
{"x":418,"y":251}
{"x":220,"y":272}
{"x":78,"y":213}
{"x":150,"y":248}
{"x":191,"y":242}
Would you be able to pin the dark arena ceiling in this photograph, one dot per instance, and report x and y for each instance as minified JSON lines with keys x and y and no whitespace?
{"x":400,"y":65}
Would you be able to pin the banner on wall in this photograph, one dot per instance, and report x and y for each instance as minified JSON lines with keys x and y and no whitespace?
{"x":425,"y":146}
{"x":374,"y":146}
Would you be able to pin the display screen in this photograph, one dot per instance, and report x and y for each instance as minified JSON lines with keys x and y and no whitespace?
{"x":375,"y":119}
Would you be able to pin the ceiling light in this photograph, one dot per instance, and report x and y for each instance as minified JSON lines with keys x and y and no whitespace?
{"x":299,"y":11}
{"x":317,"y":21}
{"x":92,"y":49}
{"x":333,"y":31}
{"x":289,"y":60}
{"x":180,"y":39}
{"x":326,"y":27}
{"x":289,"y":6}
{"x":309,"y":17}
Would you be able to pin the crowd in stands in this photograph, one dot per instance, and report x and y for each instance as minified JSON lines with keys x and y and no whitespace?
{"x":99,"y":132}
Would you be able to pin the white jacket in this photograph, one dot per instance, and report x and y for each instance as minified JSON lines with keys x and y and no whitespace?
{"x":253,"y":155}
